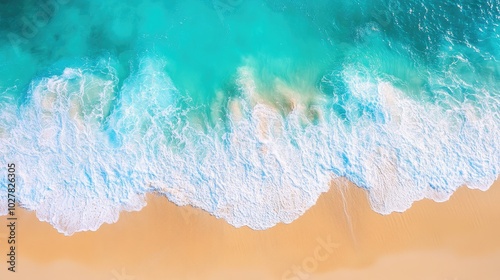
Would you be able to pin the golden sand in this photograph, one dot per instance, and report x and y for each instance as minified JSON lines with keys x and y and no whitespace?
{"x":339,"y":238}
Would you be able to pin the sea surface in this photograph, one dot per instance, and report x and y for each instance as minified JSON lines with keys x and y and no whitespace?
{"x":244,"y":108}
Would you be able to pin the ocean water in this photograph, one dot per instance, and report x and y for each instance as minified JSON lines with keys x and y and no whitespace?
{"x":245,"y":108}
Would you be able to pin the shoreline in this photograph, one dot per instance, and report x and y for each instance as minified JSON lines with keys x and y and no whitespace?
{"x":339,"y":237}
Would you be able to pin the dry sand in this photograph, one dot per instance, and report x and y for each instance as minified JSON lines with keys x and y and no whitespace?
{"x":339,"y":238}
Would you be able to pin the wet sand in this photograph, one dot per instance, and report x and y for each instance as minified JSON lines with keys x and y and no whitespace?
{"x":339,"y":238}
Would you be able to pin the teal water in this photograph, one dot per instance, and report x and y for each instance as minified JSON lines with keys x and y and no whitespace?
{"x":246,"y":108}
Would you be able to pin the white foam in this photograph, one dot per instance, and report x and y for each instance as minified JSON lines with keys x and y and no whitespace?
{"x":268,"y":169}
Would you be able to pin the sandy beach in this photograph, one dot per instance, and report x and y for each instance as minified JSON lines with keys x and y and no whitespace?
{"x":339,"y":238}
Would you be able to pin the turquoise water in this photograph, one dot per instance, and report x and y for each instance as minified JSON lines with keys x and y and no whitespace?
{"x":245,"y":108}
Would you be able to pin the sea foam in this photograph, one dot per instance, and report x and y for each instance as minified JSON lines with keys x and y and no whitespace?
{"x":87,"y":147}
